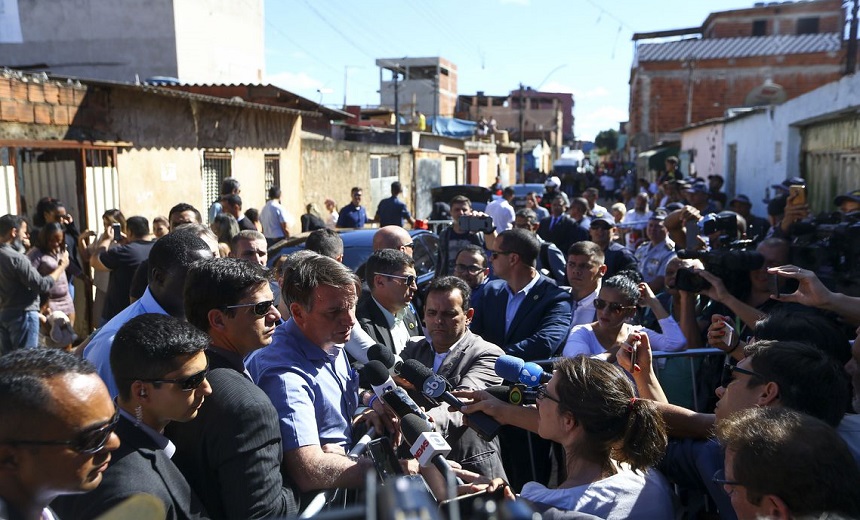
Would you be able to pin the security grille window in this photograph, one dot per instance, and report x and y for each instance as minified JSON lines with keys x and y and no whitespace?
{"x":807,"y":26}
{"x":216,"y":167}
{"x":759,"y":27}
{"x":272,"y":172}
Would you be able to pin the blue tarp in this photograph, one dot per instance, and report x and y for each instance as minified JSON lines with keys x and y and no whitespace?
{"x":451,"y":127}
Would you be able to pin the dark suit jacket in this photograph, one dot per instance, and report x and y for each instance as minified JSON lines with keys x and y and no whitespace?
{"x":618,"y":258}
{"x":137,"y":466}
{"x":564,"y":234}
{"x":231,"y":452}
{"x":540,"y":326}
{"x":373,"y":321}
{"x":470,"y":364}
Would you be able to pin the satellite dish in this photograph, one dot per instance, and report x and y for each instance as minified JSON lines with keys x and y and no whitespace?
{"x":768,"y":93}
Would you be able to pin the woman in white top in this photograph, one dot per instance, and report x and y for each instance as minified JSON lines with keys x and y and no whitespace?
{"x":615,"y":305}
{"x":610,"y":441}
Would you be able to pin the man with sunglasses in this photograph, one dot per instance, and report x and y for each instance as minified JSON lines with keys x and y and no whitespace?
{"x":56,"y":430}
{"x":787,"y":374}
{"x":473,"y":268}
{"x":231,"y":453}
{"x":161,"y":373}
{"x":385,"y":313}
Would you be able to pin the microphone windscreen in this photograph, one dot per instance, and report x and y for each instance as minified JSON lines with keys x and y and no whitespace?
{"x":509,"y":367}
{"x":382,"y":354}
{"x":413,"y":426}
{"x":414,"y":372}
{"x":373,"y":373}
{"x":531,"y":374}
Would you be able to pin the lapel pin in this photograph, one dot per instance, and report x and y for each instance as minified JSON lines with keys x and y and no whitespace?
{"x":535,"y":298}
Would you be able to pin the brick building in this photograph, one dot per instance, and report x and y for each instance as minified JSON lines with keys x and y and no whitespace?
{"x":757,"y":56}
{"x":425,"y":84}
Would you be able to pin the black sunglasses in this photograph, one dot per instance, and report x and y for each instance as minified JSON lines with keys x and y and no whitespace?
{"x":410,"y":279}
{"x":87,"y":442}
{"x":729,"y":369}
{"x":260,"y":308}
{"x":496,"y":254}
{"x":186,"y":384}
{"x":615,"y":307}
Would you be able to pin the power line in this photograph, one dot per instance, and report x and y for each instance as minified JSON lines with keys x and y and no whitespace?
{"x":336,"y":30}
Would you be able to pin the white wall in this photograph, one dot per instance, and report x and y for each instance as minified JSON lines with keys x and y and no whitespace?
{"x":707,"y":141}
{"x":768,"y":143}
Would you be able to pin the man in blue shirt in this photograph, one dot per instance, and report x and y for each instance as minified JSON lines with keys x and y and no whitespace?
{"x":392,"y":211}
{"x":353,"y":215}
{"x":307,"y":376}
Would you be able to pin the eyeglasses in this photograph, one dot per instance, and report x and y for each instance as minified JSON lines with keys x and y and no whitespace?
{"x":471,"y":269}
{"x":186,"y":384}
{"x":542,"y":393}
{"x":615,"y":307}
{"x":720,"y":479}
{"x":496,"y":254}
{"x":260,"y":308}
{"x":410,"y":279}
{"x":87,"y":442}
{"x":410,"y":245}
{"x":729,"y":369}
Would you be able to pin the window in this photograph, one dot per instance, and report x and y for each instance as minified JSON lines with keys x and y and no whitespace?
{"x":272,"y":172}
{"x":807,"y":26}
{"x":384,"y":169}
{"x":216,"y":167}
{"x":759,"y":28}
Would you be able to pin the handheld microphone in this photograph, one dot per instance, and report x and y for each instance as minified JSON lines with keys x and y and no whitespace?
{"x":426,"y":445}
{"x":513,"y":394}
{"x":512,"y":368}
{"x":402,"y":404}
{"x":385,"y":356}
{"x":436,"y":388}
{"x":376,"y":375}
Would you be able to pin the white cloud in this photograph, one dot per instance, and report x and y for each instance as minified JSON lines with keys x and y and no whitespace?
{"x":294,"y":81}
{"x":596,"y":92}
{"x":555,"y":86}
{"x":588,"y":125}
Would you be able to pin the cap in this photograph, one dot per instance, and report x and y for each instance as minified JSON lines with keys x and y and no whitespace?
{"x":553,"y":181}
{"x":783,"y":186}
{"x":603,"y":217}
{"x":674,"y":206}
{"x":776,"y":206}
{"x":851,"y":195}
{"x":743,"y":199}
{"x":673,"y":159}
{"x":697,"y":187}
{"x":658,"y":214}
{"x":715,"y":176}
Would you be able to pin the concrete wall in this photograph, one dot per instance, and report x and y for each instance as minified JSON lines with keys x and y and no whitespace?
{"x":104,"y":39}
{"x":706,"y":146}
{"x":331,"y":168}
{"x":220,"y":41}
{"x":769,"y":143}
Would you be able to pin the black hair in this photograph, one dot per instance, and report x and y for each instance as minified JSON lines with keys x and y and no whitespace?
{"x":151,"y":346}
{"x":9,"y":222}
{"x":326,"y":242}
{"x":387,"y":261}
{"x":229,"y":185}
{"x":477,"y":250}
{"x":446,"y":284}
{"x":522,"y":242}
{"x":217,"y":283}
{"x":137,"y":226}
{"x":233,"y":200}
{"x":628,"y":288}
{"x":45,"y":233}
{"x":176,"y":250}
{"x":274,"y":192}
{"x":182,"y":207}
{"x":45,"y":205}
{"x":806,"y":326}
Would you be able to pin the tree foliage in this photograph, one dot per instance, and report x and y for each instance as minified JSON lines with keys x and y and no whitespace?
{"x":607,"y":139}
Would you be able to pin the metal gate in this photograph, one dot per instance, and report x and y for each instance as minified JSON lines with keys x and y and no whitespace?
{"x":216,"y":167}
{"x":831,"y":160}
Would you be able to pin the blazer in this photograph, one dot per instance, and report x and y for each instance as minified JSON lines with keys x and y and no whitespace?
{"x":540,"y":326}
{"x":231,"y":452}
{"x":137,"y":466}
{"x":565,"y":233}
{"x":373,"y":321}
{"x":469,"y":364}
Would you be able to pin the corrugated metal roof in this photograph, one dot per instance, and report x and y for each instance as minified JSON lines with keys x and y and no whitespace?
{"x":717,"y":48}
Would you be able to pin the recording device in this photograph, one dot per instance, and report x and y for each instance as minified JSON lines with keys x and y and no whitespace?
{"x":375,"y":374}
{"x":117,"y":231}
{"x":437,"y":387}
{"x":513,"y":394}
{"x":512,"y":368}
{"x":385,"y":356}
{"x":427,"y":446}
{"x":476,"y":223}
{"x":402,"y":404}
{"x":829,"y":245}
{"x":691,"y":228}
{"x":773,"y":284}
{"x":384,"y":459}
{"x":724,"y":224}
{"x":690,"y":281}
{"x":796,"y":195}
{"x":730,"y":265}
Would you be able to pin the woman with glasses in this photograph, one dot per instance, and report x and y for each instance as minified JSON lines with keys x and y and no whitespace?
{"x":610,"y":438}
{"x":160,"y":369}
{"x":615,"y":306}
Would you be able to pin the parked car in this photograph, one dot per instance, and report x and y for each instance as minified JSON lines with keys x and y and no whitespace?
{"x":478,"y":195}
{"x":358,"y":245}
{"x":521,"y":190}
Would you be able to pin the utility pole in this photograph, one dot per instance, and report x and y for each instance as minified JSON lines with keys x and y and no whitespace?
{"x":851,"y":60}
{"x":396,"y":105}
{"x":522,"y":174}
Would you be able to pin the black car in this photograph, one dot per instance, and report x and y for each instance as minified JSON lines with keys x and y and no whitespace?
{"x":358,"y":245}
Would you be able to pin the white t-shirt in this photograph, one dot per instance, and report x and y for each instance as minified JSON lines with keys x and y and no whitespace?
{"x":582,"y":339}
{"x":627,"y":494}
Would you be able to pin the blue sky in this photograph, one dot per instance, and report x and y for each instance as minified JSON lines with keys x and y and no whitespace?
{"x":577,"y":46}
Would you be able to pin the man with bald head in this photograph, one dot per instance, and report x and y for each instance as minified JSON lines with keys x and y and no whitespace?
{"x":393,"y":237}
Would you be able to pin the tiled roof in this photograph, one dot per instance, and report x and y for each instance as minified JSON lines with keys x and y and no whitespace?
{"x":716,"y":48}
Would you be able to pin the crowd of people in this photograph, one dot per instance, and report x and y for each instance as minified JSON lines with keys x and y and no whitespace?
{"x":242,"y":391}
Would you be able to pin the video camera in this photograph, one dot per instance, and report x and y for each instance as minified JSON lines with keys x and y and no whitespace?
{"x":829,"y":245}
